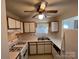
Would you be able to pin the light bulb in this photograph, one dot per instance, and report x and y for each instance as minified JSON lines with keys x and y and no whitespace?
{"x":41,"y":16}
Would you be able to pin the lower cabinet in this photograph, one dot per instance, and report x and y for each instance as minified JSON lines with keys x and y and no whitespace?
{"x":48,"y":49}
{"x":32,"y":48}
{"x":39,"y":48}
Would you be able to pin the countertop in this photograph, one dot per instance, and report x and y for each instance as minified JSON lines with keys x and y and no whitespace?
{"x":56,"y":41}
{"x":13,"y":55}
{"x":33,"y":37}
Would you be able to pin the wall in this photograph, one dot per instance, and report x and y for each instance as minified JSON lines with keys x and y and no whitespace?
{"x":12,"y":35}
{"x":10,"y":14}
{"x":4,"y":41}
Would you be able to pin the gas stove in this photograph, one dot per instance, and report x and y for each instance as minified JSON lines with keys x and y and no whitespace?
{"x":15,"y":49}
{"x":21,"y":43}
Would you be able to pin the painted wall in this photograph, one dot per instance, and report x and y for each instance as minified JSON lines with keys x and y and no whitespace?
{"x":4,"y":41}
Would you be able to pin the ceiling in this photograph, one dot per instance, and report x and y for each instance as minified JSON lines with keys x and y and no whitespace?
{"x":16,"y":8}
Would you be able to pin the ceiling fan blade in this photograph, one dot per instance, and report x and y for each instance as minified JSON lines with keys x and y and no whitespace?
{"x":31,"y":11}
{"x":35,"y":15}
{"x":51,"y":11}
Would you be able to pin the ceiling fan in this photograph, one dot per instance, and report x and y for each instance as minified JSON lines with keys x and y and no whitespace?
{"x":40,"y":8}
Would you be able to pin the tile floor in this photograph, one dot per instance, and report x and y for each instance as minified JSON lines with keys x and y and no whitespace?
{"x":41,"y":57}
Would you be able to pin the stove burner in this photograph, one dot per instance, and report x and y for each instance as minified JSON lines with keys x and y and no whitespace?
{"x":20,"y":43}
{"x":15,"y":49}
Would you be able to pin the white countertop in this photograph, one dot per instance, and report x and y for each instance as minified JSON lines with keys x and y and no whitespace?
{"x":13,"y":55}
{"x":57,"y":42}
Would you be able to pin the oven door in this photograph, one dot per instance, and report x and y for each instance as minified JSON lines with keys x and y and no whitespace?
{"x":19,"y":56}
{"x":25,"y":55}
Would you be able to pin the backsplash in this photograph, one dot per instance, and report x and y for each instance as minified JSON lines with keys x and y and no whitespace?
{"x":11,"y":43}
{"x":12,"y":34}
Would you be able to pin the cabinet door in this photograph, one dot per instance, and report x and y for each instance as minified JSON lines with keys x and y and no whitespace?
{"x":21,"y":27}
{"x":32,"y":27}
{"x":40,"y":48}
{"x":54,"y":26}
{"x":32,"y":48}
{"x":26,"y":27}
{"x":17,"y":24}
{"x":11,"y":23}
{"x":48,"y":48}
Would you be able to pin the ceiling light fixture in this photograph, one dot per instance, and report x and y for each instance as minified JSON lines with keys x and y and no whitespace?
{"x":41,"y":16}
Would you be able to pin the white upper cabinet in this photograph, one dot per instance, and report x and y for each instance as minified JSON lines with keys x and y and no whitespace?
{"x":17,"y":24}
{"x":11,"y":23}
{"x":29,"y":27}
{"x":26,"y":27}
{"x":54,"y":26}
{"x":32,"y":27}
{"x":21,"y":27}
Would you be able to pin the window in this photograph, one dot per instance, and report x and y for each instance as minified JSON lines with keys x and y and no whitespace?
{"x":42,"y":28}
{"x":71,"y":23}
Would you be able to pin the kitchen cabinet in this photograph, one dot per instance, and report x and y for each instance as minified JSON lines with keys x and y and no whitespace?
{"x":29,"y":27}
{"x":26,"y":27}
{"x":13,"y":24}
{"x":32,"y":48}
{"x":48,"y":48}
{"x":54,"y":26}
{"x":40,"y":47}
{"x":32,"y":27}
{"x":21,"y":27}
{"x":17,"y":24}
